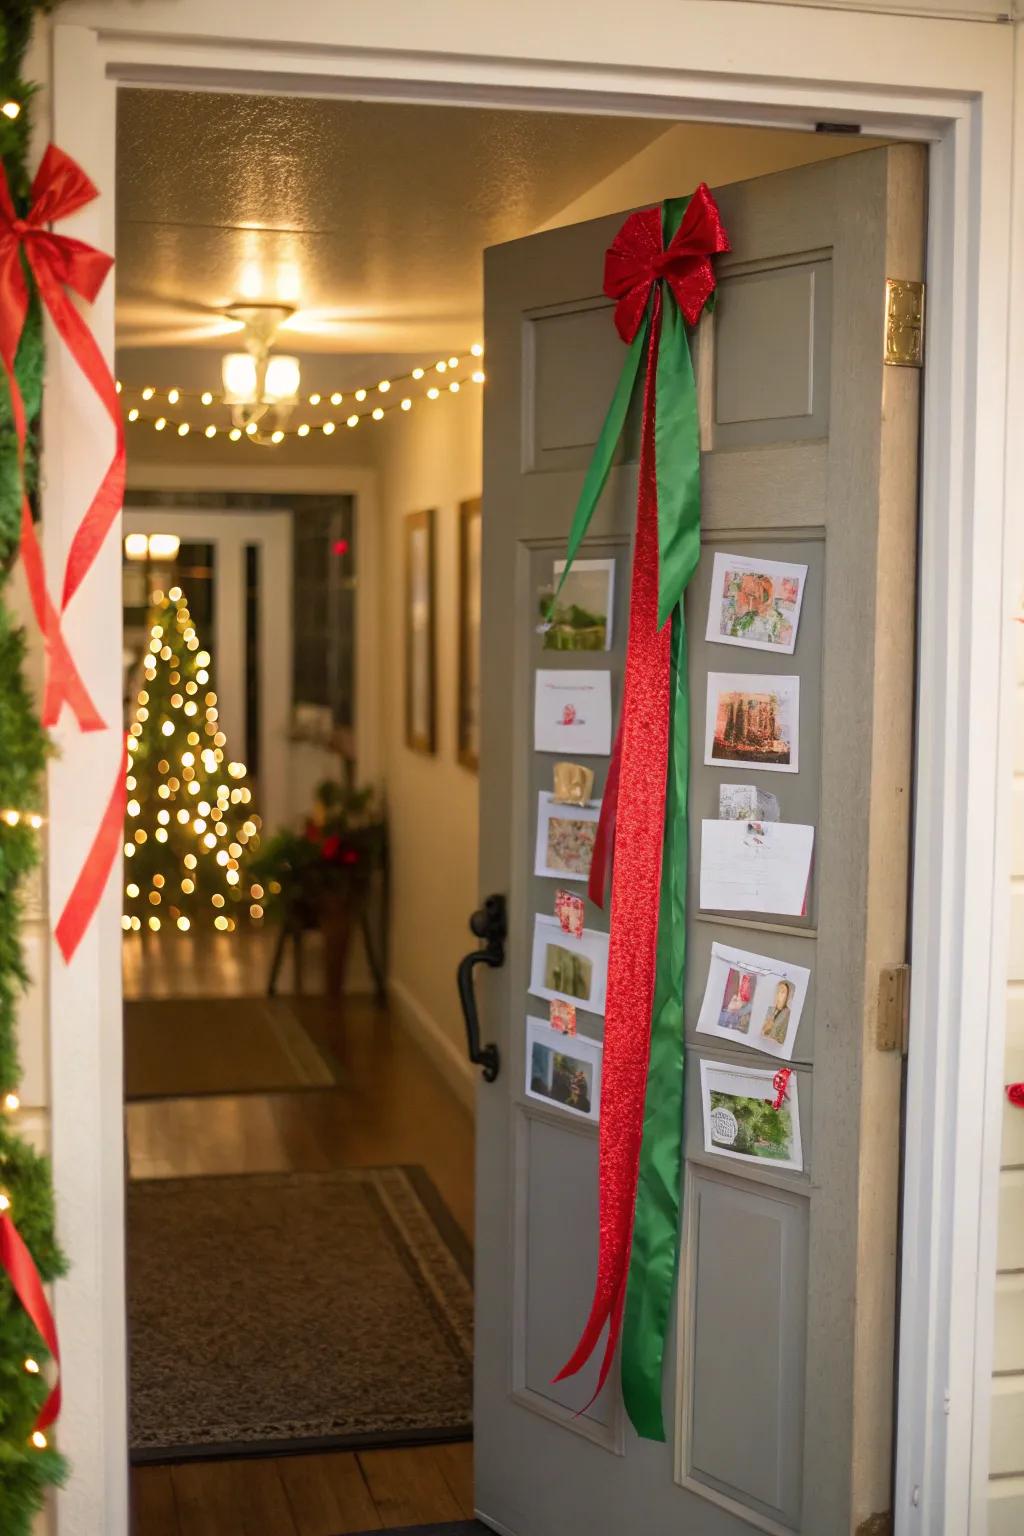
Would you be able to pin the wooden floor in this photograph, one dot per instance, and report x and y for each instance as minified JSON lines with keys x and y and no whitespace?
{"x":390,"y":1106}
{"x":324,"y":1495}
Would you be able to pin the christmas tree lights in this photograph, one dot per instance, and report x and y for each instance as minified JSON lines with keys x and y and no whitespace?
{"x":190,"y":827}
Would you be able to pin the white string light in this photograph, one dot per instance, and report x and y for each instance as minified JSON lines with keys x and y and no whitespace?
{"x":304,"y":429}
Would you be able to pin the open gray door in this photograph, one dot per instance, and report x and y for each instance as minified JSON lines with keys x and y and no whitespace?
{"x":778,"y":1388}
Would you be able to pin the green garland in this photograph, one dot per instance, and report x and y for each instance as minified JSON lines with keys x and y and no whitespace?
{"x":25,"y":1471}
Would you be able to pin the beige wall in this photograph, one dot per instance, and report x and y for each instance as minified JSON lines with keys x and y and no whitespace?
{"x":429,"y":459}
{"x":1007,"y":1501}
{"x":688,"y":153}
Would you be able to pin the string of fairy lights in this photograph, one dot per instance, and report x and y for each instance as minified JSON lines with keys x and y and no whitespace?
{"x":183,"y":412}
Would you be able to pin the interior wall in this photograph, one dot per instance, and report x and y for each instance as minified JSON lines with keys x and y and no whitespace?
{"x":430,"y":459}
{"x":689,"y":153}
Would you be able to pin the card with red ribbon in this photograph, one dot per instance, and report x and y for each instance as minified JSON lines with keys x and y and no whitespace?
{"x":659,"y":271}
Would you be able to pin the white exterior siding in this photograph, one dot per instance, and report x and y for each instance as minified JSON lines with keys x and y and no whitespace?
{"x":1006,"y":1510}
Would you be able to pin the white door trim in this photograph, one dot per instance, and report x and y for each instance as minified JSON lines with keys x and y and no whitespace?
{"x":950,"y":83}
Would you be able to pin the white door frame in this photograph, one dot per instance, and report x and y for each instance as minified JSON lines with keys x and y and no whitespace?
{"x":949,"y":83}
{"x":229,"y":533}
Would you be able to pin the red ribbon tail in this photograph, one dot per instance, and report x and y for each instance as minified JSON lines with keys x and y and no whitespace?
{"x":637,"y":803}
{"x":92,"y":878}
{"x":63,"y":680}
{"x":604,"y":838}
{"x":21,"y":1270}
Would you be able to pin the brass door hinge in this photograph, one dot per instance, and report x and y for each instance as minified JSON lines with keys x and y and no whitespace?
{"x":904,"y":323}
{"x":893,"y":1009}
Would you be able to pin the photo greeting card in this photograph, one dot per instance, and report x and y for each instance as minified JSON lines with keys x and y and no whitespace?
{"x":581,"y":618}
{"x":572,"y":713}
{"x":563,"y":1071}
{"x":756,"y":603}
{"x":740,"y":1118}
{"x":565,"y":838}
{"x":753,"y":1000}
{"x":568,"y":969}
{"x":753,"y":721}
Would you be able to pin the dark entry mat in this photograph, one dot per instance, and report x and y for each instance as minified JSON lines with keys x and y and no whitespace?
{"x":298,"y":1311}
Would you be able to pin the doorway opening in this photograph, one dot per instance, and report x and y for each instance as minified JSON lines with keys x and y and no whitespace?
{"x":300,"y":1115}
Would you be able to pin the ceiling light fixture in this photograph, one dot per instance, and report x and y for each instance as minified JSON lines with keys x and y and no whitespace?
{"x":259,"y":380}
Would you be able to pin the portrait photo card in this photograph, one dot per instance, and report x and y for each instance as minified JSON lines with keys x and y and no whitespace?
{"x":566,"y":968}
{"x":572,"y":712}
{"x":563,"y":1071}
{"x":756,"y":603}
{"x":753,"y":1000}
{"x":565,"y":838}
{"x":753,"y":721}
{"x":740,"y":1120}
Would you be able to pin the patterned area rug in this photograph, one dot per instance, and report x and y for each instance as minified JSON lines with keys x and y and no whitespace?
{"x":177,"y":1048}
{"x":274,"y":1312}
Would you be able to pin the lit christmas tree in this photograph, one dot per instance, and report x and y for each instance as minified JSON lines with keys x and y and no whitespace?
{"x":189,"y":828}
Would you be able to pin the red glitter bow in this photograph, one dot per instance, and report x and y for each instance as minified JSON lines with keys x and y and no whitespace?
{"x":58,"y":263}
{"x":636,"y":259}
{"x":780,"y":1082}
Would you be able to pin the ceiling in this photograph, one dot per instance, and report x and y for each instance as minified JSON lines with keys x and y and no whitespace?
{"x":370,"y":218}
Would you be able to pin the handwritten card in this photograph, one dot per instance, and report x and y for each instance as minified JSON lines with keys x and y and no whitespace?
{"x":755,"y":866}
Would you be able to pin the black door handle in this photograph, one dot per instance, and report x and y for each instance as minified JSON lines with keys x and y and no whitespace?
{"x":489,"y":923}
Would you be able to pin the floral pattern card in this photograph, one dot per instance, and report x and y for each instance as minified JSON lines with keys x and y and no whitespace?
{"x":756,"y":603}
{"x":565,"y":838}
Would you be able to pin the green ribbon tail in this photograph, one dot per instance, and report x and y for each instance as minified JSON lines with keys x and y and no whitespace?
{"x":604,"y":450}
{"x":676,"y":445}
{"x":655,"y":1252}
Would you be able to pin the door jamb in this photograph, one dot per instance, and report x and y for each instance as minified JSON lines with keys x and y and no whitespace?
{"x":961,"y":872}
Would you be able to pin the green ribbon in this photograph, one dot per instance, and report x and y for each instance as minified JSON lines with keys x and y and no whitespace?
{"x":655,"y":1250}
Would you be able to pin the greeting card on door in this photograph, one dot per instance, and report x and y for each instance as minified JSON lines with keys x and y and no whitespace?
{"x":572,"y":713}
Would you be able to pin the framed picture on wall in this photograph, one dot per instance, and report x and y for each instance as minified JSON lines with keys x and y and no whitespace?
{"x":420,"y":683}
{"x":467,"y":746}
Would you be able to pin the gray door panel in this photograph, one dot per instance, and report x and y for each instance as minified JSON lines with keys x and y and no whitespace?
{"x":779,"y":1372}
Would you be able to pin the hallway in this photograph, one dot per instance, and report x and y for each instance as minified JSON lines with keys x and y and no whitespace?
{"x":388,"y":1107}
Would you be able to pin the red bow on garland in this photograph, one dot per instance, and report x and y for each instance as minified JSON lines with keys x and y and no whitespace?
{"x":58,"y":263}
{"x":19,"y":1266}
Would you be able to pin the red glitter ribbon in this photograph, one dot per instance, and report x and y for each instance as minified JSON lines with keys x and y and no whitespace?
{"x":20,"y":1268}
{"x":60,"y":264}
{"x":636,"y":879}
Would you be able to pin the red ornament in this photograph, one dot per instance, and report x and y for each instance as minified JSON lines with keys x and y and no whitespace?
{"x":1015,"y":1094}
{"x":780,"y":1082}
{"x":62,"y":265}
{"x":340,"y":547}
